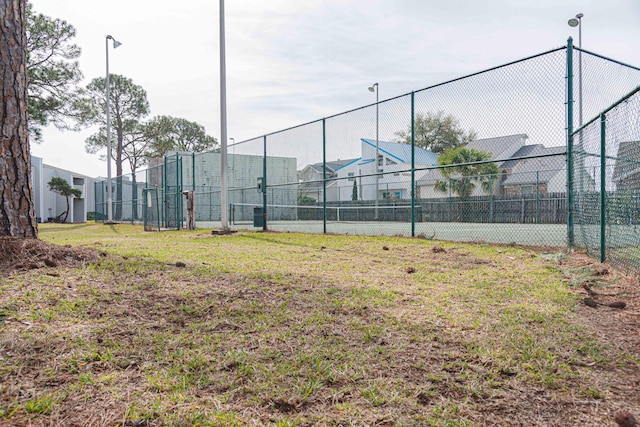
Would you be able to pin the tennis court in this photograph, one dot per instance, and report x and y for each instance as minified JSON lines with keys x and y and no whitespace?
{"x":522,"y":234}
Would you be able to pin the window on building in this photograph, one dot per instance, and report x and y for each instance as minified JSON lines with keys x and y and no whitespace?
{"x":526,"y":189}
{"x":351,"y":176}
{"x":392,"y":195}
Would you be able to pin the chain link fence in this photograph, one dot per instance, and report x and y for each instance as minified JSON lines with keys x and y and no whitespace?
{"x":126,"y":192}
{"x":607,"y":183}
{"x":382,"y":169}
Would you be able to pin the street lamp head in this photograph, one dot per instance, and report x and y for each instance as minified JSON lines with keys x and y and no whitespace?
{"x":116,"y":43}
{"x":574,"y":22}
{"x":373,"y":87}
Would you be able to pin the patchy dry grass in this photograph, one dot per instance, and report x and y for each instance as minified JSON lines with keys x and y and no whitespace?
{"x":288,"y":329}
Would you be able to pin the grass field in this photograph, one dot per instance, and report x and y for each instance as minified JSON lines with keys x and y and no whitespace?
{"x":185,"y":328}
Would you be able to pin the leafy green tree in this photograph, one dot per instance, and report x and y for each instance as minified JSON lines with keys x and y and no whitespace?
{"x":166,"y":133}
{"x":62,"y":187}
{"x":53,"y":71}
{"x":436,"y":132}
{"x":128,"y":105}
{"x":354,"y":191}
{"x":461,"y":178}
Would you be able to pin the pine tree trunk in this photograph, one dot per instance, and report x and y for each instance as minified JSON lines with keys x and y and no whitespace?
{"x":17,"y":212}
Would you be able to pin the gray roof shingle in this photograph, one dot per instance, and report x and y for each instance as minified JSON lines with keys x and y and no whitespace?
{"x":500,"y":147}
{"x":627,"y":164}
{"x":540,"y":169}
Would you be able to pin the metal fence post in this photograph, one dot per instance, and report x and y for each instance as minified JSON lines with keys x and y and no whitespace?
{"x":537,"y":197}
{"x":490,"y":198}
{"x":134,"y":197}
{"x":164,"y":194}
{"x":193,"y":172}
{"x":450,"y":202}
{"x":570,"y":172}
{"x":104,"y":205}
{"x":603,"y":186}
{"x":413,"y":167}
{"x":178,"y":191}
{"x":158,"y":208}
{"x":324,"y":177}
{"x":264,"y":186}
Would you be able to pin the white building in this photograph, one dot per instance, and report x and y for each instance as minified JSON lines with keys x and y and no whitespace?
{"x":49,"y":204}
{"x":394,"y":167}
{"x":311,"y":180}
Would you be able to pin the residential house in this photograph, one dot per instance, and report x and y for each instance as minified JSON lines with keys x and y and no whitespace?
{"x":311,"y":180}
{"x":501,"y":148}
{"x":393,"y":166}
{"x":545,"y":174}
{"x":519,"y":174}
{"x":626,"y":172}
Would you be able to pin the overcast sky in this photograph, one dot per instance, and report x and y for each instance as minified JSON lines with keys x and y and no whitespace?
{"x":294,"y":61}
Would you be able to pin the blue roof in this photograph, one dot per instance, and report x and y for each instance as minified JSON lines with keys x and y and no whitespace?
{"x":365,"y":161}
{"x":402,"y":152}
{"x":347,"y":163}
{"x":333,"y":166}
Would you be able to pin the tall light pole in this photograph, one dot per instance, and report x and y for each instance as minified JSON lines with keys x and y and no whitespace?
{"x":577,"y":22}
{"x":108,"y":90}
{"x":224,"y":186}
{"x":376,"y":88}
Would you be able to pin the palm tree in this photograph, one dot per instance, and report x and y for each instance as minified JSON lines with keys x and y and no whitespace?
{"x":467,"y":169}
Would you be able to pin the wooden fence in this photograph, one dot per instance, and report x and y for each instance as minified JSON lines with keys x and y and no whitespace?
{"x":543,"y":208}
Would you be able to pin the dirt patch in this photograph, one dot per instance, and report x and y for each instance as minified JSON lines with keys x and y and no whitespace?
{"x":607,"y":287}
{"x":29,"y":254}
{"x":609,"y":308}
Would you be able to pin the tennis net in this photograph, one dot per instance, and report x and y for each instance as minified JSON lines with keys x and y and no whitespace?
{"x":243,"y":213}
